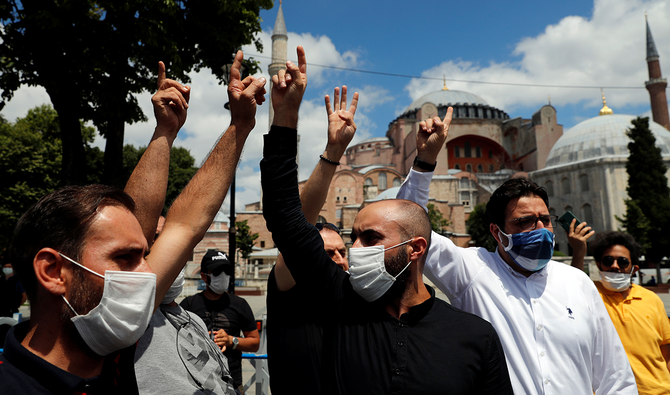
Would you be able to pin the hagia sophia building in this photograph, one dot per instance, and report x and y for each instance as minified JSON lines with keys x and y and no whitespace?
{"x":582,"y":168}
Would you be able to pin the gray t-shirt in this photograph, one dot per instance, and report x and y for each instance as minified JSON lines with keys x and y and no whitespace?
{"x":176,"y":356}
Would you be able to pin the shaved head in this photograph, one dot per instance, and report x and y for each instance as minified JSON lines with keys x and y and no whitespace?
{"x":412,"y":219}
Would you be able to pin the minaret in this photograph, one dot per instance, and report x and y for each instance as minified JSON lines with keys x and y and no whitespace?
{"x":279,"y":42}
{"x":656,"y":84}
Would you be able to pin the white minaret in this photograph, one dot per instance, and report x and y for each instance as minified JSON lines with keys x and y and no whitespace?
{"x":279,"y":57}
{"x":279,"y":43}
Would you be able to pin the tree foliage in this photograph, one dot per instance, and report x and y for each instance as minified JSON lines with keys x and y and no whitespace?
{"x":93,"y":56}
{"x":437,"y":221}
{"x":478,"y":228}
{"x":648,"y":209}
{"x":244,"y":238}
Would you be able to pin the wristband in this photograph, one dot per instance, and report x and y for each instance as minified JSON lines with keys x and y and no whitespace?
{"x":332,"y":162}
{"x":424,"y":165}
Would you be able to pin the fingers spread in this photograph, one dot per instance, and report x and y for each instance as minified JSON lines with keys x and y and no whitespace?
{"x":329,"y":109}
{"x":343,"y":102}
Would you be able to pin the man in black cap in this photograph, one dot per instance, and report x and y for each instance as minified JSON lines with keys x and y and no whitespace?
{"x":226,"y":315}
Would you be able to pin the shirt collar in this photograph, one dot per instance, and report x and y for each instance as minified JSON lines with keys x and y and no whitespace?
{"x":51,"y":377}
{"x":416,"y":313}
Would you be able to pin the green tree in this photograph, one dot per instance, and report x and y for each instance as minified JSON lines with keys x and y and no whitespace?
{"x":29,"y":164}
{"x":437,"y":221}
{"x":478,"y":228}
{"x":93,"y":56}
{"x":648,"y":209}
{"x":244,"y":238}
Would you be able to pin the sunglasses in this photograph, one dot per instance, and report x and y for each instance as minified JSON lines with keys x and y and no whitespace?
{"x":608,"y":261}
{"x":530,"y":222}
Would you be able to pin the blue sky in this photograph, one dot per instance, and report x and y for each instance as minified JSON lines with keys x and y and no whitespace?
{"x":577,"y":43}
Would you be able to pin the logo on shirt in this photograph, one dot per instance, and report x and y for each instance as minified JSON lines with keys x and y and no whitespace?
{"x":569,"y":313}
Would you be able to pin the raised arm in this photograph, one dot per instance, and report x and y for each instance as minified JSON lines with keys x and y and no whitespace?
{"x":341,"y":129}
{"x":148,"y":183}
{"x":577,"y":237}
{"x":195,"y":208}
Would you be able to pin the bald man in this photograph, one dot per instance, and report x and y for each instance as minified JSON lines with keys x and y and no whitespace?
{"x":385,"y":332}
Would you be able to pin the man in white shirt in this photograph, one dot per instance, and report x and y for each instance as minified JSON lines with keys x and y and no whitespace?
{"x":557,"y":336}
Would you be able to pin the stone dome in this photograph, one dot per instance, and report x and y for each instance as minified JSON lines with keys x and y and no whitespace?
{"x":447,"y":98}
{"x":601,"y":136}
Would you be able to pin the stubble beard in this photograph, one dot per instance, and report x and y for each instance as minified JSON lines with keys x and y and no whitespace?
{"x":393,"y":266}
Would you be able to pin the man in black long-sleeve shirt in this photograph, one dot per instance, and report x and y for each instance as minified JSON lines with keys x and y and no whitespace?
{"x":388,"y":336}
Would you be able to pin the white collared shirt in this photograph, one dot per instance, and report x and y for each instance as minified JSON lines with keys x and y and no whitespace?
{"x":554,"y":328}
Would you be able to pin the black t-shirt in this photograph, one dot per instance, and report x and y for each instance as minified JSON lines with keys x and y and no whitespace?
{"x":230,"y":313}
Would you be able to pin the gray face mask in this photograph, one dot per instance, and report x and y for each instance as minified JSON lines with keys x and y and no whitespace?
{"x":368,"y":275}
{"x":8,"y":271}
{"x":219,"y":284}
{"x":122,"y":315}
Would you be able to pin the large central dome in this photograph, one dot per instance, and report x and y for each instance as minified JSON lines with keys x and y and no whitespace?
{"x":447,"y":98}
{"x":602,"y":136}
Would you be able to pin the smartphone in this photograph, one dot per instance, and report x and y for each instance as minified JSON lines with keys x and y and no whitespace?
{"x":566,"y":219}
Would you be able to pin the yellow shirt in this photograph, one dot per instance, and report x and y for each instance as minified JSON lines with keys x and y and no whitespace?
{"x":642,"y":324}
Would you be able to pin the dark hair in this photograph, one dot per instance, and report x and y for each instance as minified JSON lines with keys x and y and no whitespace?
{"x":509,"y":190}
{"x":60,"y":220}
{"x":320,"y":226}
{"x":610,"y":239}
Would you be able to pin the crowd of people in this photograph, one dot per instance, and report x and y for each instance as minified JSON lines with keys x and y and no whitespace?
{"x":102,"y":270}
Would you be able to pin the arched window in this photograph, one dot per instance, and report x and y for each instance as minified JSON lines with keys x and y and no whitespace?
{"x":480,"y":168}
{"x":465,"y":183}
{"x":381,"y":181}
{"x":478,"y":151}
{"x":468,"y":167}
{"x":565,"y":186}
{"x":457,"y":166}
{"x":584,"y":183}
{"x":491,"y":169}
{"x":397,"y":182}
{"x":467,"y":149}
{"x":568,"y":208}
{"x":321,"y":220}
{"x":587,"y":214}
{"x":368,"y":182}
{"x":457,"y":151}
{"x":549,"y":186}
{"x":502,"y":166}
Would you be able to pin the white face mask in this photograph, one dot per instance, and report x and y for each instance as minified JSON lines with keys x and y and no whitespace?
{"x":368,"y":275}
{"x":123,"y":314}
{"x":616,"y":282}
{"x":175,"y":289}
{"x":219,"y":284}
{"x":8,"y":271}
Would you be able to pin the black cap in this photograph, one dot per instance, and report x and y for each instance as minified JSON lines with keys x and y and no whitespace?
{"x":216,"y":261}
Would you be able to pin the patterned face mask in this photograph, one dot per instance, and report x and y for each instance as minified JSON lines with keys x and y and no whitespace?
{"x":530,"y":250}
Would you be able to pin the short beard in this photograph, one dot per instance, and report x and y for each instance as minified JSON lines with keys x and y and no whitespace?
{"x":393,"y":266}
{"x":84,"y":297}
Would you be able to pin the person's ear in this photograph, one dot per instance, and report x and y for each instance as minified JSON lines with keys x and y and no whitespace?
{"x":49,"y":271}
{"x":204,"y":277}
{"x":636,"y":268}
{"x":417,"y":248}
{"x":493,"y":228}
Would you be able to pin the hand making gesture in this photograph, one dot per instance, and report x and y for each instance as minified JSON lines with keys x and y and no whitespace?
{"x":341,"y":125}
{"x":244,"y":96}
{"x":170,"y":103}
{"x":431,"y":137}
{"x":288,"y":87}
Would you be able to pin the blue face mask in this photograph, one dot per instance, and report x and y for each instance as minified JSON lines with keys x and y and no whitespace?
{"x":530,"y":250}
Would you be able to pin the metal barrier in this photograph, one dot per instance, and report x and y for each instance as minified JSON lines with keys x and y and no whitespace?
{"x":259,"y":361}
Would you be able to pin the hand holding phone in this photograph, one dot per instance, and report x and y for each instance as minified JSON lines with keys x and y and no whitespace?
{"x":566,"y":219}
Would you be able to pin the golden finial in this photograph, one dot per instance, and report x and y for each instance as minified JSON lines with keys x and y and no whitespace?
{"x":605,"y":110}
{"x":444,"y":88}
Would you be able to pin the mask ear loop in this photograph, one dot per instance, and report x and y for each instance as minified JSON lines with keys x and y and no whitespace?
{"x":510,"y":242}
{"x":69,"y":305}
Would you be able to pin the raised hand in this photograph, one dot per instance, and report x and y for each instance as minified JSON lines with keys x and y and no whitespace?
{"x":431,"y":137}
{"x":341,"y":125}
{"x":170,"y":103}
{"x":288,"y":88}
{"x":244,"y":95}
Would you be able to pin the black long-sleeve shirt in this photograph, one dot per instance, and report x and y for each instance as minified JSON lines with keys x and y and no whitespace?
{"x":433,"y":348}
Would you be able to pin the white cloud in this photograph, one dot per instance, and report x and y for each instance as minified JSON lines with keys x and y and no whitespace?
{"x":609,"y":49}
